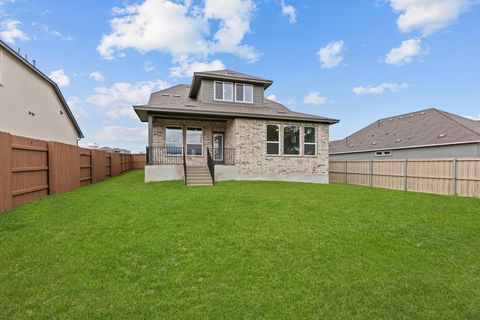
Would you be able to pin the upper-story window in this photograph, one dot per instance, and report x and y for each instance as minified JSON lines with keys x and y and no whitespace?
{"x":223,"y":91}
{"x":243,"y":93}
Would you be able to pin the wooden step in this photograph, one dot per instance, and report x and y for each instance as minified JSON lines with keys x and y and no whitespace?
{"x":198,"y":176}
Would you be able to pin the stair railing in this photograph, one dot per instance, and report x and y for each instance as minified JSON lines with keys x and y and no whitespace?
{"x":184,"y":166}
{"x":211,"y":165}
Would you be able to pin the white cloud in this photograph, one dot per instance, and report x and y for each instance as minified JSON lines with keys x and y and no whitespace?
{"x":477,"y":118}
{"x":123,"y":95}
{"x":394,"y":87}
{"x":404,"y":54}
{"x":331,"y":55}
{"x":180,"y":28}
{"x":272,"y":97}
{"x":149,"y":66}
{"x":56,"y":33}
{"x":60,"y":78}
{"x":186,"y":68}
{"x":289,"y":11}
{"x":314,"y":98}
{"x":10,"y":32}
{"x":77,"y":110}
{"x":121,"y":134}
{"x":97,"y":76}
{"x":428,"y":16}
{"x":122,"y":112}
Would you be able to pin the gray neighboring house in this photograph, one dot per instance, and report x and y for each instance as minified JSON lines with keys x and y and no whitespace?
{"x":429,"y":133}
{"x":221,"y":126}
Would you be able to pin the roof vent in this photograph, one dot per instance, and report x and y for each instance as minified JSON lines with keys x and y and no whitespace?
{"x":411,"y":115}
{"x":398,"y":140}
{"x":374,"y":142}
{"x":176,"y":95}
{"x":165,"y":95}
{"x":351,"y":146}
{"x":391,"y":119}
{"x":401,"y":117}
{"x":422,"y":113}
{"x":387,"y":133}
{"x":443,"y":135}
{"x":233,"y":73}
{"x":281,"y":112}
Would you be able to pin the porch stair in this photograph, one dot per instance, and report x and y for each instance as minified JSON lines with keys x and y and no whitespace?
{"x":198,"y":176}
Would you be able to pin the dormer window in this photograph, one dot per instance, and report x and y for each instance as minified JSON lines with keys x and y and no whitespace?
{"x":243,"y":93}
{"x":223,"y":91}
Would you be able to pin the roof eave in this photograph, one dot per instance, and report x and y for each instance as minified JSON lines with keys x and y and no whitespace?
{"x":145,"y":108}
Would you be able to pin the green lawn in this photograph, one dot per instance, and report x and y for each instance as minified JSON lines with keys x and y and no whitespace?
{"x":123,"y":249}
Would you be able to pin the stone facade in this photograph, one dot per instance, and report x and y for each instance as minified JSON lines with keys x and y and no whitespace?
{"x":249,"y":139}
{"x":251,"y":150}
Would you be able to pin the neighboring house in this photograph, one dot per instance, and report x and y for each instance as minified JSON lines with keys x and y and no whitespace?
{"x":430,"y":133}
{"x":222,"y":118}
{"x":31,"y":104}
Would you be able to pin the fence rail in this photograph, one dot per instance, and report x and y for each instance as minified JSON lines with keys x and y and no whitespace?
{"x":441,"y":176}
{"x":223,"y":156}
{"x":31,"y":169}
{"x":165,"y":155}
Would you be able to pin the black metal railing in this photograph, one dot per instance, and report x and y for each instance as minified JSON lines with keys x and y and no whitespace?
{"x":211,"y":165}
{"x":165,"y":155}
{"x":223,"y":156}
{"x":184,"y":169}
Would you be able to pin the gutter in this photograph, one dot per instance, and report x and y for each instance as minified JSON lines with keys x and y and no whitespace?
{"x":238,"y":115}
{"x":407,"y":147}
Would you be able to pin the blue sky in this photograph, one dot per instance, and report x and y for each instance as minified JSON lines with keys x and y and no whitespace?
{"x":357,"y":61}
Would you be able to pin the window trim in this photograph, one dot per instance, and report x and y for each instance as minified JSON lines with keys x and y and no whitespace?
{"x":165,"y":140}
{"x":310,"y":143}
{"x":194,"y":144}
{"x":300,"y":151}
{"x":223,"y":91}
{"x":244,"y":85}
{"x":279,"y":139}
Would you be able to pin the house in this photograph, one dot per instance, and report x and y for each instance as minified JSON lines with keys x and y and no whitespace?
{"x":31,"y":104}
{"x":429,"y":133}
{"x":221,"y":126}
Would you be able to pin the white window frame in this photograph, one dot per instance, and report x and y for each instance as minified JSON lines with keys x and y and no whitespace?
{"x":300,"y":151}
{"x":244,"y":85}
{"x":385,"y":153}
{"x":277,"y":142}
{"x":310,"y":143}
{"x":173,"y":127}
{"x":223,"y":91}
{"x":193,"y":144}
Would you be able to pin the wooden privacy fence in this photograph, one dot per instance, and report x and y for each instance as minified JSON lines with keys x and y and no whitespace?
{"x":31,"y":169}
{"x":441,"y":176}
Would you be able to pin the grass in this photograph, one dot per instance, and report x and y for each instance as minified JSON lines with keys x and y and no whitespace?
{"x":123,"y":249}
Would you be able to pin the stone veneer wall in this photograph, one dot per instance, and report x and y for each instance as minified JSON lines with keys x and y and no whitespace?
{"x":248,"y":137}
{"x":251,"y":150}
{"x":208,"y":127}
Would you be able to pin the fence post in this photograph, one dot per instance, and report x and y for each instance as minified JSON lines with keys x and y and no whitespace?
{"x":405,"y":175}
{"x":370,"y":173}
{"x":346,"y":172}
{"x":6,"y":198}
{"x":454,"y":177}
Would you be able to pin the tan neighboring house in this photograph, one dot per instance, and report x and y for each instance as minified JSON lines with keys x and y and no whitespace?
{"x":430,"y":133}
{"x":221,"y":127}
{"x":31,"y":104}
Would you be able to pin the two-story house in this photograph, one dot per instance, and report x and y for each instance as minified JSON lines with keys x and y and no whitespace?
{"x":221,"y":127}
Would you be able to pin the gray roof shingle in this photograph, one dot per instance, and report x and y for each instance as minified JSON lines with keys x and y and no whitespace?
{"x":420,"y":128}
{"x":176,"y":100}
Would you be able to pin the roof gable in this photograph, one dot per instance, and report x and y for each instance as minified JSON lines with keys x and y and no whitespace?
{"x":54,"y":86}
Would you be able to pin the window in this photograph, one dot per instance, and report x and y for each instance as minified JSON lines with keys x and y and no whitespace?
{"x":223,"y":91}
{"x":273,"y":139}
{"x":291,"y":140}
{"x":194,"y":141}
{"x":173,"y":140}
{"x":243,"y":93}
{"x":383,"y":153}
{"x":309,"y":141}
